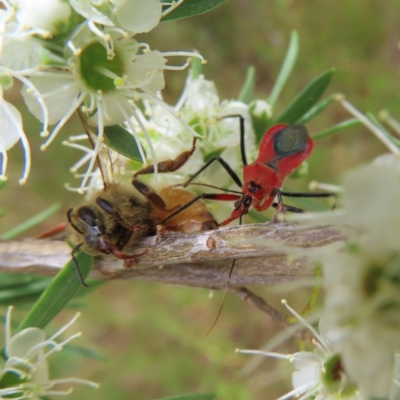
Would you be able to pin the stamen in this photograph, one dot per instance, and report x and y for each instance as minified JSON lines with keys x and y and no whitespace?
{"x":172,"y":7}
{"x":314,"y":185}
{"x":60,"y":346}
{"x":128,"y":121}
{"x":65,"y":327}
{"x":265,"y":353}
{"x":150,"y":144}
{"x":80,"y":190}
{"x":76,"y":138}
{"x":369,"y":124}
{"x":98,"y":141}
{"x":294,"y":392}
{"x":153,"y":98}
{"x":38,"y":96}
{"x":306,"y":324}
{"x":63,"y":120}
{"x":75,"y":380}
{"x":105,"y":38}
{"x":393,"y":123}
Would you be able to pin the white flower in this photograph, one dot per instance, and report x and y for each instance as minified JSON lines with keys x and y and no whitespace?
{"x":317,"y":375}
{"x":11,"y":132}
{"x":362,"y":307}
{"x":201,"y":107}
{"x":98,"y":70}
{"x":46,"y":15}
{"x":26,"y":363}
{"x":135,"y":16}
{"x":106,"y":77}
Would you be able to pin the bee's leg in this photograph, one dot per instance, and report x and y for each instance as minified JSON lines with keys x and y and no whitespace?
{"x":76,"y":266}
{"x":170,"y":165}
{"x":69,"y":212}
{"x":117,"y":253}
{"x":155,"y":199}
{"x":108,"y":208}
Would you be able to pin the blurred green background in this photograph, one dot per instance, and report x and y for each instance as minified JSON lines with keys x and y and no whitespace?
{"x":154,"y":336}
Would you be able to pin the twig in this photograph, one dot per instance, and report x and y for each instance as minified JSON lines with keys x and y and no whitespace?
{"x":265,"y":253}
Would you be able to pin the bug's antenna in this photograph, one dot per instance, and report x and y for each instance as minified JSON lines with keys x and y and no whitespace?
{"x":223,"y":297}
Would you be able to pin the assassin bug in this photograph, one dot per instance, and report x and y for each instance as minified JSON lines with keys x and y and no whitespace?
{"x":282,"y":149}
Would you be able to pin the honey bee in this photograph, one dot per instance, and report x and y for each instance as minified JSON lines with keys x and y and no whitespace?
{"x":114,"y":219}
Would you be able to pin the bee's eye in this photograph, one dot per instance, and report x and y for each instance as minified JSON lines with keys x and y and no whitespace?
{"x":87,"y":215}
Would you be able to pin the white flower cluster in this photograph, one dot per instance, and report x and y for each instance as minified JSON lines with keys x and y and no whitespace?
{"x":80,"y":55}
{"x":317,"y":374}
{"x":25,"y":373}
{"x":216,"y":121}
{"x":361,"y":316}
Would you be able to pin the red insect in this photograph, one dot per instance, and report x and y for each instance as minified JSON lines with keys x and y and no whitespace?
{"x":282,"y":149}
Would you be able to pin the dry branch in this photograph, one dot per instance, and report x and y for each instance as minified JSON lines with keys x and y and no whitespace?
{"x":265,"y":253}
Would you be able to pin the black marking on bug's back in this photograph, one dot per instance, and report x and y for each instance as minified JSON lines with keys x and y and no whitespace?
{"x":290,"y":140}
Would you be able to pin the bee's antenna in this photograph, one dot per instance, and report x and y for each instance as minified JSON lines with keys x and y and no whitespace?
{"x":76,"y":266}
{"x":87,"y":130}
{"x":223,"y":297}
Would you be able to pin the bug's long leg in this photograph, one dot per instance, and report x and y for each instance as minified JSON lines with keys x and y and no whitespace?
{"x":207,"y":196}
{"x":242,"y":132}
{"x":75,"y":263}
{"x":311,"y":195}
{"x":289,"y":208}
{"x":224,"y":164}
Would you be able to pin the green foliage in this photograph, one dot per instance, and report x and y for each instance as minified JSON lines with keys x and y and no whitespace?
{"x":306,"y":99}
{"x":336,"y":128}
{"x":57,"y":295}
{"x":122,"y":141}
{"x":246,"y":93}
{"x":31,"y":222}
{"x":317,"y":109}
{"x":189,"y":8}
{"x":21,"y":289}
{"x":286,"y":69}
{"x":204,"y":396}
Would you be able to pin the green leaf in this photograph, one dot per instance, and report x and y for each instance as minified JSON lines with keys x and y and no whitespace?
{"x":204,"y":396}
{"x":196,"y":67}
{"x":317,"y":109}
{"x":7,"y":296}
{"x":31,"y":222}
{"x":306,"y":99}
{"x":336,"y":128}
{"x":247,"y":90}
{"x":2,"y":183}
{"x":192,"y":7}
{"x":87,"y":353}
{"x":122,"y":141}
{"x":286,"y":69}
{"x":57,"y":295}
